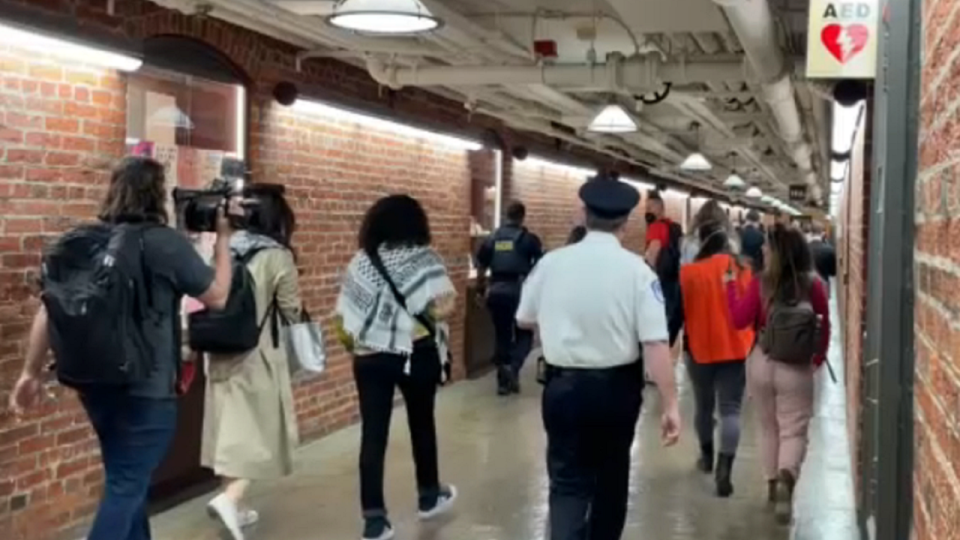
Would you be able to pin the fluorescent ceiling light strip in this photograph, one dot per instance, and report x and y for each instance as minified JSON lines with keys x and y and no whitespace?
{"x":846,"y":120}
{"x":373,"y":122}
{"x":642,"y":186}
{"x":67,"y":50}
{"x":535,"y":161}
{"x":241,"y":125}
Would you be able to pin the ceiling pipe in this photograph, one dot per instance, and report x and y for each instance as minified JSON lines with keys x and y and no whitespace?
{"x":637,"y":74}
{"x":754,"y":25}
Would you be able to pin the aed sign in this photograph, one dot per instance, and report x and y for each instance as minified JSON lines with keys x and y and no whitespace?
{"x":842,"y":39}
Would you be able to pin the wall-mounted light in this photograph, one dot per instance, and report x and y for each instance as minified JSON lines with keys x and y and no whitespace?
{"x":383,"y":17}
{"x":344,"y":115}
{"x":613,"y":118}
{"x":541,"y":162}
{"x":846,"y":120}
{"x":66,"y":49}
{"x":839,"y":169}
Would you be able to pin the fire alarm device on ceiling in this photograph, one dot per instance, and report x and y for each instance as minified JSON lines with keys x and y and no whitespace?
{"x":545,"y":48}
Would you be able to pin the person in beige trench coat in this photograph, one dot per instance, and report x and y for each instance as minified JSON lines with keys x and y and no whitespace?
{"x":249,"y":425}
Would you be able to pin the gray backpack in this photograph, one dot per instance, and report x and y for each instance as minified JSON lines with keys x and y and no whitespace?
{"x":792,"y":333}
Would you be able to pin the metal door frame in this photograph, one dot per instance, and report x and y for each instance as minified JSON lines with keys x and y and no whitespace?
{"x":887,"y":446}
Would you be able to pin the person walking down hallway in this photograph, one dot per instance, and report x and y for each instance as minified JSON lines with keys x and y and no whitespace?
{"x":714,"y":349}
{"x":509,"y":253}
{"x":751,"y":241}
{"x":123,"y":369}
{"x":789,"y":305}
{"x":394,"y":296}
{"x":824,"y":255}
{"x":249,"y":421}
{"x":662,"y":250}
{"x":599,"y":310}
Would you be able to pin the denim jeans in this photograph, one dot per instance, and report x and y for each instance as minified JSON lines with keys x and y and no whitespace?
{"x":134,"y":434}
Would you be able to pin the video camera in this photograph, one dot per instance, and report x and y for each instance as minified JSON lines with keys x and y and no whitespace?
{"x":196,"y":209}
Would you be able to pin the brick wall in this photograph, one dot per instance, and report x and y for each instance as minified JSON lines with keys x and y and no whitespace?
{"x":937,"y":271}
{"x":852,"y":289}
{"x":60,"y":128}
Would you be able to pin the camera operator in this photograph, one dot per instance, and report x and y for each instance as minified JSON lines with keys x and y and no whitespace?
{"x":123,"y":357}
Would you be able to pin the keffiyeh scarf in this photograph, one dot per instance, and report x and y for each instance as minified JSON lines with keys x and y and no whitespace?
{"x":370,"y":313}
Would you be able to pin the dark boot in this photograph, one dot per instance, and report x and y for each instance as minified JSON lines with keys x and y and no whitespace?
{"x":705,"y":463}
{"x":784,"y":504}
{"x":503,"y":380}
{"x":772,"y":486}
{"x":724,"y":473}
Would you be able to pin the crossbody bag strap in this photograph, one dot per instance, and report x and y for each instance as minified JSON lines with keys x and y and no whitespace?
{"x":420,"y":317}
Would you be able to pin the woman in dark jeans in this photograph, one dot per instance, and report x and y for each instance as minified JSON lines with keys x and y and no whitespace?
{"x":135,"y":423}
{"x":395,"y":291}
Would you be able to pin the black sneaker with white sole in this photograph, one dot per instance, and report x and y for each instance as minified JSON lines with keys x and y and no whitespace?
{"x":377,"y":528}
{"x":443,"y":502}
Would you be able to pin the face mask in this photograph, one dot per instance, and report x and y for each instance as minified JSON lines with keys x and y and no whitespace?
{"x":650,"y":217}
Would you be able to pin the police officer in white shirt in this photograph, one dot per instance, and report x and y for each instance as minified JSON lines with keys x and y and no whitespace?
{"x":596,"y":305}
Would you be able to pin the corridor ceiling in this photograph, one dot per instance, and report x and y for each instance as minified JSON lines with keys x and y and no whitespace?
{"x":736,"y":91}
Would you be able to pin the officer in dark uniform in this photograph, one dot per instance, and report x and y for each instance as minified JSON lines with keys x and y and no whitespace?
{"x":600,"y":312}
{"x":509,"y":253}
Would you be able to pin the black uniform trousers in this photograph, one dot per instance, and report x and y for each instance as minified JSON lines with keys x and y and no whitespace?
{"x":513,"y":344}
{"x":590,"y":417}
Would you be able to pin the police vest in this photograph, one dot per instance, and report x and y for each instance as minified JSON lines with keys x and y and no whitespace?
{"x":509,"y":258}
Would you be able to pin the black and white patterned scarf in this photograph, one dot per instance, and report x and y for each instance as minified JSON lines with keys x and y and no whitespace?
{"x":367,"y":307}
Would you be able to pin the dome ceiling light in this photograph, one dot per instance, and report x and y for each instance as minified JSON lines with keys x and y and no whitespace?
{"x":696,"y":162}
{"x":735,"y":182}
{"x":613,"y":119}
{"x":383,"y":17}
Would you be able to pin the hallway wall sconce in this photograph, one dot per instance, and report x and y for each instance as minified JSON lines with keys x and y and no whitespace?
{"x":613,"y":118}
{"x":373,"y":122}
{"x":387,"y":17}
{"x":67,"y":49}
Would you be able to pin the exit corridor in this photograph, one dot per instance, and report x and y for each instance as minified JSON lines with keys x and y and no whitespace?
{"x":493,"y":450}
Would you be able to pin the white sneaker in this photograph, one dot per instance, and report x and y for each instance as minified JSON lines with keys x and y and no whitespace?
{"x":445,"y":500}
{"x":248,"y":518}
{"x":222,"y":509}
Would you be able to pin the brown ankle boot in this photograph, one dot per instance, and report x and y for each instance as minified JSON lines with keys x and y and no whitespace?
{"x":784,"y":504}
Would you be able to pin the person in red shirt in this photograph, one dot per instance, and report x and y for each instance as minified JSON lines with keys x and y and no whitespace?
{"x":782,"y":392}
{"x":658,"y":229}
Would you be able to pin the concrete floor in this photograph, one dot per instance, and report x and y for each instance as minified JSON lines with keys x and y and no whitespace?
{"x":493,"y":450}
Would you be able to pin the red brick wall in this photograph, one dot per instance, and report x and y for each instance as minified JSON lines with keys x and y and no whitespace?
{"x":937,"y":274}
{"x":60,"y":128}
{"x":852,"y":289}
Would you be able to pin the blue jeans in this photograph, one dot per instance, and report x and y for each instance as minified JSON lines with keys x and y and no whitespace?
{"x":134,"y":434}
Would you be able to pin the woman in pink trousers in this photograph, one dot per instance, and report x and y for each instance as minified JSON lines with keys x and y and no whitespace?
{"x":782,"y":390}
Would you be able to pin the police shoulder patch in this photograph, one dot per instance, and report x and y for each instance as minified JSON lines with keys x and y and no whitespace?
{"x":657,"y":290}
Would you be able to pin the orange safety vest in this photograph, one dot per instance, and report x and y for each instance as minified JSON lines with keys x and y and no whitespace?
{"x":710,"y":334}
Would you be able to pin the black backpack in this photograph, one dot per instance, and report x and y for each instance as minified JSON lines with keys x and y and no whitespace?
{"x":668,"y":262}
{"x":235,"y":329}
{"x":99,"y":302}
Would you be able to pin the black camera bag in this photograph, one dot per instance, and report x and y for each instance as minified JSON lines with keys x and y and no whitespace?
{"x":99,"y":301}
{"x":235,"y":329}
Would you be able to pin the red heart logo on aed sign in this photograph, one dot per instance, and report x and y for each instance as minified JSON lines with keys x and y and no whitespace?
{"x":845,"y":42}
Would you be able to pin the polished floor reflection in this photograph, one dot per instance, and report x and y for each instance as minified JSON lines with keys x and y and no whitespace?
{"x":493,"y":450}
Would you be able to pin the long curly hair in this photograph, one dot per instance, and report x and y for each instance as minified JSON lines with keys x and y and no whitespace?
{"x":136,"y":192}
{"x":394,"y":221}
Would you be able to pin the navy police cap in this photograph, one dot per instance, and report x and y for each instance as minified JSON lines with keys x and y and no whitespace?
{"x":609,"y":198}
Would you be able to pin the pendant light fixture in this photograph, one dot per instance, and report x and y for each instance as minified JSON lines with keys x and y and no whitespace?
{"x":734,"y":181}
{"x":383,"y":17}
{"x":754,"y":193}
{"x":613,"y":118}
{"x":696,"y":161}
